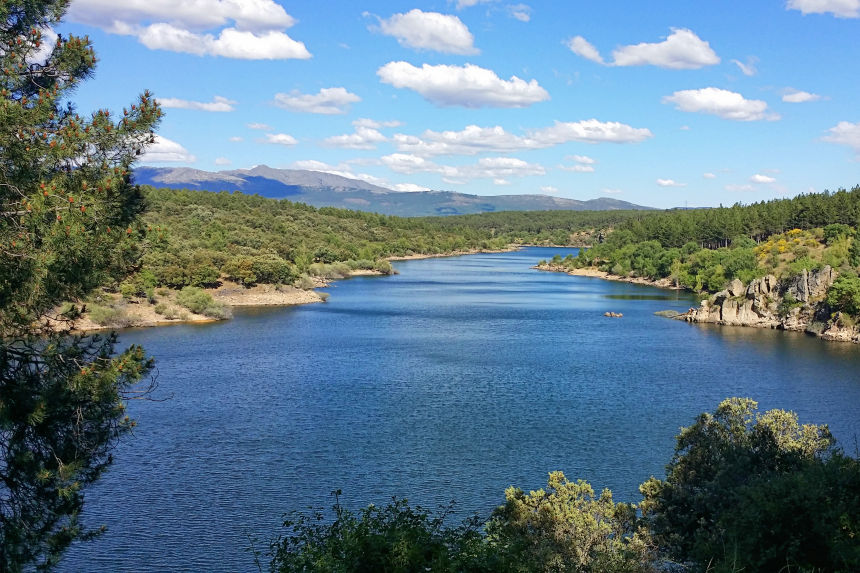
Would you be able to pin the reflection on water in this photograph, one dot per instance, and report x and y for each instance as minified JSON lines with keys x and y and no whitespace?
{"x":453,"y":380}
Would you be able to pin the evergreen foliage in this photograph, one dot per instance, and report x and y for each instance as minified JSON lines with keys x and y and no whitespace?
{"x":67,"y":224}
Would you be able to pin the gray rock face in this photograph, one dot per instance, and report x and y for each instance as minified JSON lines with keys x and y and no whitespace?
{"x":758,"y":304}
{"x":811,"y":286}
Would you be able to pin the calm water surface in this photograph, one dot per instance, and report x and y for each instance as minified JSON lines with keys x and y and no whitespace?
{"x":453,"y":380}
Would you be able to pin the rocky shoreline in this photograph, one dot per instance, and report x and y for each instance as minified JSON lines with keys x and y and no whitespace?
{"x":795,"y":304}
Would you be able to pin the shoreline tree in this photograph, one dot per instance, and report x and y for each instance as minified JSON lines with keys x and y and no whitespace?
{"x":68,"y":223}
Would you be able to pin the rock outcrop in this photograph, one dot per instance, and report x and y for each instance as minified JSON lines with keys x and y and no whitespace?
{"x":793,"y":304}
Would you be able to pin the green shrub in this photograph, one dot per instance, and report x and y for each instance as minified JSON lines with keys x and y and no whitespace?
{"x":304,"y":282}
{"x":109,"y":316}
{"x":199,"y":301}
{"x":383,"y":266}
{"x":844,"y":295}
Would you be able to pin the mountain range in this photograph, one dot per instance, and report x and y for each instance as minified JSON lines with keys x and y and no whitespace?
{"x":329,"y":190}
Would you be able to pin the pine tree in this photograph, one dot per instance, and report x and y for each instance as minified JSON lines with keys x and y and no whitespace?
{"x":68,"y":223}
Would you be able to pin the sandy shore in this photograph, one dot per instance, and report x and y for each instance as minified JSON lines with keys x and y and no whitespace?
{"x":141,"y":313}
{"x":592,"y":272}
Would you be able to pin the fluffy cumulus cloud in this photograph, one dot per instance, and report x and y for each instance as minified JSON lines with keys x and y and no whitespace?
{"x":222,"y":161}
{"x":670,"y":183}
{"x":549,"y":189}
{"x":260,"y":126}
{"x":329,"y":101}
{"x":797,"y":96}
{"x":366,"y":136}
{"x":474,"y":139}
{"x":839,"y":8}
{"x":722,"y":103}
{"x":762,"y":179}
{"x":499,"y":169}
{"x":709,"y":175}
{"x":219,"y":104}
{"x":280,"y":139}
{"x":845,"y":133}
{"x":467,"y":86}
{"x":681,"y":50}
{"x":166,"y":151}
{"x":429,"y":31}
{"x":246,"y":29}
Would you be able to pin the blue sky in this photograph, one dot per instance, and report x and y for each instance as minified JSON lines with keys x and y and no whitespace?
{"x":661,"y":103}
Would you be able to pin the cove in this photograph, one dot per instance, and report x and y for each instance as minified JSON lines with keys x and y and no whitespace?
{"x":452,"y":380}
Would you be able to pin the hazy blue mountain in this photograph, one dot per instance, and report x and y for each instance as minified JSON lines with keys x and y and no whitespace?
{"x":327,"y":190}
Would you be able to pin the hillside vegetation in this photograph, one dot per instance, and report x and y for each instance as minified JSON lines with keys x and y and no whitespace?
{"x":705,"y":250}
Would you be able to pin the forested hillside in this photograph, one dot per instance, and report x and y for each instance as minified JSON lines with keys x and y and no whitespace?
{"x":196,"y":237}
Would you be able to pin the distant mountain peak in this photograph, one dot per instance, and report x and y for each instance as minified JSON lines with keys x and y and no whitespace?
{"x":322,"y":189}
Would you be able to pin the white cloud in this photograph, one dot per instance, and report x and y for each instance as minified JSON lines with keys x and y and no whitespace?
{"x":584,"y":159}
{"x":329,"y":101}
{"x":592,"y":131}
{"x":469,"y":3}
{"x":409,"y":187}
{"x":219,"y":104}
{"x":473,"y":139}
{"x":521,"y":12}
{"x":670,"y":183}
{"x":797,"y":96}
{"x":612,"y":191}
{"x":722,"y":103}
{"x":429,"y":31}
{"x":222,"y":161}
{"x":582,"y":47}
{"x":761,"y":179}
{"x":748,"y":68}
{"x":166,"y":151}
{"x":549,"y":189}
{"x":468,"y":86}
{"x":681,"y":50}
{"x":237,"y":139}
{"x":248,"y":29}
{"x":497,"y":168}
{"x":839,"y":8}
{"x":373,"y":124}
{"x":363,"y":138}
{"x":845,"y":133}
{"x":366,"y":135}
{"x":577,"y":168}
{"x":709,"y":176}
{"x":584,"y":164}
{"x":260,"y":126}
{"x":280,"y":139}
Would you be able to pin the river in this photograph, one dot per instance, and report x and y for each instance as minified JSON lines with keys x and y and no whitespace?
{"x":450,"y":381}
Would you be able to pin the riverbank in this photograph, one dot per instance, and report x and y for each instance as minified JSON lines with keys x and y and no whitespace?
{"x":141,"y":313}
{"x":597,"y":273}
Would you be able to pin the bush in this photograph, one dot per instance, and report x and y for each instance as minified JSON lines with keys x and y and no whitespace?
{"x":383,"y":266}
{"x":199,"y":301}
{"x":719,"y":462}
{"x":844,"y":295}
{"x":109,"y":316}
{"x":304,"y":282}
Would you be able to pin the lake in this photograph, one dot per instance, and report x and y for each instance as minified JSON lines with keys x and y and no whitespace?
{"x":450,"y":381}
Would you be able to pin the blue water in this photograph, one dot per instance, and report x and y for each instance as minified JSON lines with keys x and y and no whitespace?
{"x":453,"y":380}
